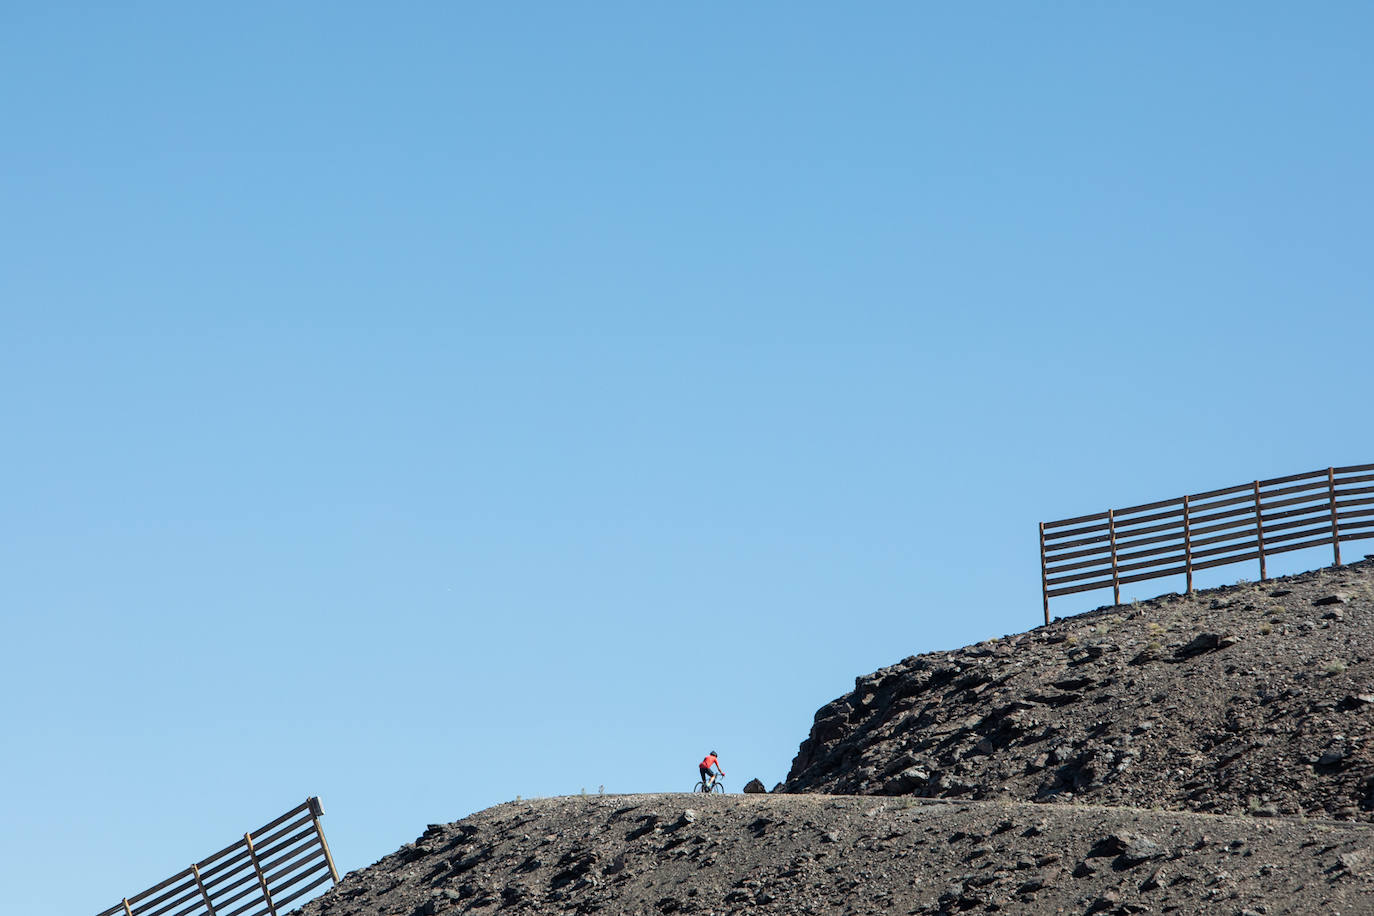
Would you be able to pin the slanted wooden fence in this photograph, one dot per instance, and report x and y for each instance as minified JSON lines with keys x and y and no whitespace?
{"x":259,"y":875}
{"x":1182,"y":535}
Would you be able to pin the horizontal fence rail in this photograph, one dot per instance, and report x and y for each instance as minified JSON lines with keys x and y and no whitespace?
{"x":1180,"y":536}
{"x":259,"y":875}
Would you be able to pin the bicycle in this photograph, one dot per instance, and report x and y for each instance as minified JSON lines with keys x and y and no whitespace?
{"x":717,"y":786}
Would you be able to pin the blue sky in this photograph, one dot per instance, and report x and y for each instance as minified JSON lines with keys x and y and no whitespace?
{"x":423,"y":407}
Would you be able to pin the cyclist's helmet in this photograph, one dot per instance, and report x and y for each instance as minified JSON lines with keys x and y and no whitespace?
{"x":713,"y":753}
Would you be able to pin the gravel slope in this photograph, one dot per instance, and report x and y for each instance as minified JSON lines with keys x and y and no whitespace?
{"x":1256,"y":698}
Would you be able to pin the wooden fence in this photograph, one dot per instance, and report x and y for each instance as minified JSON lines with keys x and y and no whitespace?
{"x":1182,"y":535}
{"x":258,"y":875}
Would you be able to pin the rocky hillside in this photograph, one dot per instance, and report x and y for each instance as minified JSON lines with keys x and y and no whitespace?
{"x":812,"y":854}
{"x":1256,"y":699}
{"x":1190,"y":755}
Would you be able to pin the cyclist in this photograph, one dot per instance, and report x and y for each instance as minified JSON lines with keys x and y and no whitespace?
{"x":708,"y":779}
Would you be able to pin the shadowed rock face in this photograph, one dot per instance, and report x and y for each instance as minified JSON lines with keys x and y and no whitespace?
{"x":813,"y":854}
{"x":1253,"y":699}
{"x":1188,"y":755}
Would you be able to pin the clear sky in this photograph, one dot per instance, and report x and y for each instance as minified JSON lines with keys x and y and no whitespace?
{"x":423,"y":405}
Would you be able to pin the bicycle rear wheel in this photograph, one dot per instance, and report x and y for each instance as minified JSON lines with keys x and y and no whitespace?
{"x":698,"y":788}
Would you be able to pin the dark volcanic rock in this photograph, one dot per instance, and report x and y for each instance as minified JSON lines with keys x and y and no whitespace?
{"x":1132,"y":848}
{"x":1206,"y":642}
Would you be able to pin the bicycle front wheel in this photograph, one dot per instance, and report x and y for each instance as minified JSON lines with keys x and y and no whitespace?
{"x":718,"y":787}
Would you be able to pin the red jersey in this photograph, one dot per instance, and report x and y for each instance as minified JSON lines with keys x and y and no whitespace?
{"x":709,"y":762}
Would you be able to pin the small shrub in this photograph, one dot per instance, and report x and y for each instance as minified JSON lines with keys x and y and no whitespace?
{"x":1334,"y":668}
{"x":1266,"y":629}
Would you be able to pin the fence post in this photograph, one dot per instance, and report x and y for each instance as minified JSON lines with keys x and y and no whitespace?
{"x":1335,"y":519}
{"x":209,"y":907}
{"x":1259,"y":530}
{"x":315,"y":812}
{"x":128,"y":911}
{"x":262,"y":878}
{"x":1111,"y":535}
{"x":1187,"y":546}
{"x":1044,"y":576}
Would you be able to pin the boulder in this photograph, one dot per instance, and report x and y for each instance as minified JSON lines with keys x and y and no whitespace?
{"x":1206,"y":642}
